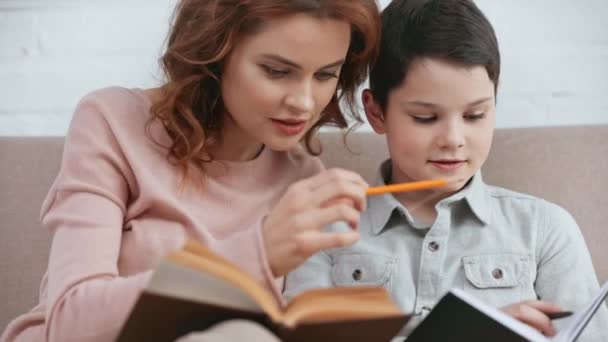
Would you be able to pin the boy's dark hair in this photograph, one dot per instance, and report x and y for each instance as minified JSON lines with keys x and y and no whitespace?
{"x":454,"y":30}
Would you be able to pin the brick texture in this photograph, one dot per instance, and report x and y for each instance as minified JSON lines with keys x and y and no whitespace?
{"x":52,"y":52}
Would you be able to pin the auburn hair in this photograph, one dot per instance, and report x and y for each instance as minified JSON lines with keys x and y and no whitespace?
{"x":204,"y":32}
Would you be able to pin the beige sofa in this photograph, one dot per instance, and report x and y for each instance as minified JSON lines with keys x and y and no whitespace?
{"x":567,"y":165}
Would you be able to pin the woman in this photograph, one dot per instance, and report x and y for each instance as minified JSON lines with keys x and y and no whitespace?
{"x":213,"y":155}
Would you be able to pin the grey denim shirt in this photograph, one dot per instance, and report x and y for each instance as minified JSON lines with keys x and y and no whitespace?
{"x":498,"y":245}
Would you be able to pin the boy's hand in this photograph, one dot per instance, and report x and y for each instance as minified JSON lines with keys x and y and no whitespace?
{"x":293,"y":231}
{"x":533,"y":313}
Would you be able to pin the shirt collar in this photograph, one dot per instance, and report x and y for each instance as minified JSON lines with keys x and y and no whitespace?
{"x":382,"y":207}
{"x":477,"y":197}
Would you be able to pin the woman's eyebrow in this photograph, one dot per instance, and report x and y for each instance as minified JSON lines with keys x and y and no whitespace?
{"x":293,"y":64}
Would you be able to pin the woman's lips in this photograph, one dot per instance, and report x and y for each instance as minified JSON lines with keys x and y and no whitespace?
{"x":447,"y":165}
{"x":289,"y":127}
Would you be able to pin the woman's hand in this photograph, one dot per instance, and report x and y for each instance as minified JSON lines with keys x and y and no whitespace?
{"x":293,"y":231}
{"x":533,"y":313}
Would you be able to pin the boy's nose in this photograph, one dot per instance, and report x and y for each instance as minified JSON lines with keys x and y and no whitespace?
{"x":452,"y":136}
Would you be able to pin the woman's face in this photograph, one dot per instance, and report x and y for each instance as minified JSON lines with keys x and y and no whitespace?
{"x":276,"y":82}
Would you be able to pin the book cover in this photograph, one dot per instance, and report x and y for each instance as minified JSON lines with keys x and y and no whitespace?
{"x":458,"y":316}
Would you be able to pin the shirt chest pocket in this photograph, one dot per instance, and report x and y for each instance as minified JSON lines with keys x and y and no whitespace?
{"x":362,"y":270}
{"x":498,"y":279}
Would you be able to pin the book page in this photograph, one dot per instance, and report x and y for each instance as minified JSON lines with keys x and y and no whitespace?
{"x":221,"y":269}
{"x":174,"y":280}
{"x":578,"y":322}
{"x":342,"y":303}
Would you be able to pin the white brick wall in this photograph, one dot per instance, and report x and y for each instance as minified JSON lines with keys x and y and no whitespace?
{"x":52,"y":52}
{"x":555,"y":61}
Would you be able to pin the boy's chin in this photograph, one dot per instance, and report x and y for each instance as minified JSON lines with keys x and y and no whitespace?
{"x":457,"y":184}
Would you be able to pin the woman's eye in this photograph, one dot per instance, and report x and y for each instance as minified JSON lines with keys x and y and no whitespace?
{"x":324,"y":76}
{"x":474,"y":117}
{"x":424,"y":119}
{"x":274,"y":72}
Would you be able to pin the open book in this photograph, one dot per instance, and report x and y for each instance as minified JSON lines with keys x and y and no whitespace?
{"x":193,"y":289}
{"x":458,"y":316}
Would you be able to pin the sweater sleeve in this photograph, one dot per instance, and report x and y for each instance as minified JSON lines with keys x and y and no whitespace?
{"x":247,"y":249}
{"x":87,"y":299}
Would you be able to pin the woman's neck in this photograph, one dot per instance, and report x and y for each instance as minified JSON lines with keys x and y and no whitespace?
{"x":227,"y":152}
{"x":234,"y":144}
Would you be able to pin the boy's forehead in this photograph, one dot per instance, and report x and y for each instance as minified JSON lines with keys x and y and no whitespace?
{"x":431,"y":80}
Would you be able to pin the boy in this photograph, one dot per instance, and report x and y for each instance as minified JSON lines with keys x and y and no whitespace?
{"x":433,"y":94}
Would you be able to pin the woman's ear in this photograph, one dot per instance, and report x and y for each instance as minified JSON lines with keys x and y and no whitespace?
{"x":373,"y":112}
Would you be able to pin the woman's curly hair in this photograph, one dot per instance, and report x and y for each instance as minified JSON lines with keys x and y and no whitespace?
{"x":203,"y":34}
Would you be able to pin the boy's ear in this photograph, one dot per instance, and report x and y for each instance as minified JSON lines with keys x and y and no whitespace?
{"x":373,"y":112}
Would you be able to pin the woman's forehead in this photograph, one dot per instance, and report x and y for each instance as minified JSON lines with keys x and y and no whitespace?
{"x":300,"y":38}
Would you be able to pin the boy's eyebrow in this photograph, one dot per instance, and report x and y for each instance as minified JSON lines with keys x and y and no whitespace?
{"x":432,"y":105}
{"x":295,"y":65}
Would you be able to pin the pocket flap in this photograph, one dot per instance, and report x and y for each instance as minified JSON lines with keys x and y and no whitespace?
{"x":361,"y":269}
{"x":494,"y":270}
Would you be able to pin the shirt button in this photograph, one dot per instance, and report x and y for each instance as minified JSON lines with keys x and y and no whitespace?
{"x":357,"y":274}
{"x":433,"y":246}
{"x":497,"y":273}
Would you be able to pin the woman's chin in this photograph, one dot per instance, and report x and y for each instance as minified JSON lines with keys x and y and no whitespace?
{"x":283,"y":144}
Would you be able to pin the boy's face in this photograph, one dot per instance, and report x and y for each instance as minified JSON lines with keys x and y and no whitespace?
{"x":438,"y":123}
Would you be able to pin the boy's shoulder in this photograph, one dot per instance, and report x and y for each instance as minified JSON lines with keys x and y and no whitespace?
{"x":512,"y":200}
{"x":500,"y":193}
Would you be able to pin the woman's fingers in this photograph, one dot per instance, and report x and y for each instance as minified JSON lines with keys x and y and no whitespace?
{"x":335,"y":179}
{"x":311,"y":242}
{"x":340,"y":192}
{"x":293,"y":230}
{"x":318,"y":219}
{"x":326,"y":189}
{"x":332,"y":175}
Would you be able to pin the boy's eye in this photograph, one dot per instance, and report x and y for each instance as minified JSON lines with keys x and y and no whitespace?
{"x":424,"y":119}
{"x":274,"y":72}
{"x":474,"y":117}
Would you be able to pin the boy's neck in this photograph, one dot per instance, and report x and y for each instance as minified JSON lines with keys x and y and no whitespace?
{"x":422,"y":208}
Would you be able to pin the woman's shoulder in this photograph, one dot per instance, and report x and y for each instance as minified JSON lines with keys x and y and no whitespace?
{"x":114,"y":93}
{"x":116,"y":109}
{"x":115,"y":101}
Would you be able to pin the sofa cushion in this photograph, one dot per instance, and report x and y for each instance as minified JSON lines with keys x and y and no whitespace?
{"x":29,"y":166}
{"x":566,"y":165}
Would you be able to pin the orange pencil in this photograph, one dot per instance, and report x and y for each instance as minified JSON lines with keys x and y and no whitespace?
{"x":403,"y":187}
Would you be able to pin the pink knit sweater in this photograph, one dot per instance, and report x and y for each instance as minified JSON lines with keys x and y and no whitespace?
{"x":116,"y":208}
